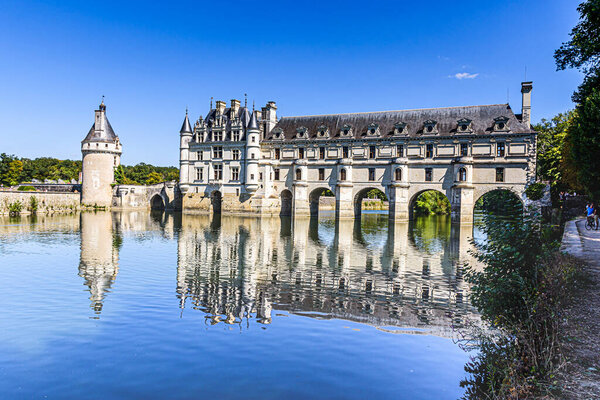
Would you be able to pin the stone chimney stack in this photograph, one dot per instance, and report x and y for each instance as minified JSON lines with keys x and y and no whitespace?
{"x":235,"y":106}
{"x":269,"y":115}
{"x":526,"y":88}
{"x":220,"y":107}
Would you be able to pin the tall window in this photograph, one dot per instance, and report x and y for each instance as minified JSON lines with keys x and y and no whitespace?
{"x":235,"y":174}
{"x":301,"y":153}
{"x":276,"y":170}
{"x":500,"y":149}
{"x":235,"y":154}
{"x":462,"y":174}
{"x":400,"y":150}
{"x":217,"y":136}
{"x":200,"y":155}
{"x":199,"y":174}
{"x":428,"y":174}
{"x":235,"y":135}
{"x":298,"y":174}
{"x":321,"y":174}
{"x":253,"y":139}
{"x":218,"y":152}
{"x":343,"y":174}
{"x":429,"y":151}
{"x":398,"y":174}
{"x":218,"y":172}
{"x":371,"y":174}
{"x":345,"y":152}
{"x":277,"y":154}
{"x":499,"y":174}
{"x":371,"y":151}
{"x":464,"y":149}
{"x":322,"y":153}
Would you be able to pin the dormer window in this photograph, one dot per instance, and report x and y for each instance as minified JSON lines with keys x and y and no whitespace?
{"x":301,"y":133}
{"x":346,"y":131}
{"x":322,"y":132}
{"x":277,"y":134}
{"x":430,"y":127}
{"x":373,"y":130}
{"x":400,"y":128}
{"x":501,"y":124}
{"x":464,"y":125}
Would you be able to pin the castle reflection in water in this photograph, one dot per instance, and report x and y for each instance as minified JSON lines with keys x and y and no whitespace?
{"x":241,"y":270}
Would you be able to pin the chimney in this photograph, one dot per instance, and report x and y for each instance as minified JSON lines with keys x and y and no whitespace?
{"x":220,"y":107}
{"x":235,"y":106}
{"x":269,"y":116}
{"x":526,"y":88}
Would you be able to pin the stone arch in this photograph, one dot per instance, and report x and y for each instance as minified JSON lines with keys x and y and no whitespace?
{"x":360,"y":195}
{"x":313,"y":199}
{"x":506,"y":190}
{"x":415,"y":196}
{"x":216,"y":201}
{"x":157,"y":203}
{"x":286,"y":203}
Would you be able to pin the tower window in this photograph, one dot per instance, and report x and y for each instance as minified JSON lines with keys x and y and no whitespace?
{"x":253,"y":139}
{"x":371,"y":174}
{"x":343,"y":174}
{"x":500,"y":149}
{"x":398,"y":174}
{"x":429,"y":151}
{"x":371,"y":151}
{"x":200,"y":155}
{"x":464,"y":149}
{"x":499,"y":174}
{"x":298,"y":174}
{"x":428,"y":174}
{"x":462,"y":174}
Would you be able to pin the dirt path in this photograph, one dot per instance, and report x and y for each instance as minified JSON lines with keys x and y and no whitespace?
{"x":581,"y":327}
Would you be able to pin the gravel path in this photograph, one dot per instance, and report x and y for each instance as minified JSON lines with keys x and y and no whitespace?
{"x":581,"y":327}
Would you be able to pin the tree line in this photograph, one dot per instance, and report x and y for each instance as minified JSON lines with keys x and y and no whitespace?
{"x":16,"y":170}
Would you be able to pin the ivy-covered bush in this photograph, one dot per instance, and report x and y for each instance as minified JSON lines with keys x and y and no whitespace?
{"x":535,"y":191}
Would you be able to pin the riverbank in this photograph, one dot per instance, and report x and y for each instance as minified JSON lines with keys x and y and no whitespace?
{"x":580,"y":326}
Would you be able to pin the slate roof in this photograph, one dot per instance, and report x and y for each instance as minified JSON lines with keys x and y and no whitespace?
{"x":228,"y":115}
{"x":186,"y":127}
{"x":482,"y":118}
{"x":106,"y":135}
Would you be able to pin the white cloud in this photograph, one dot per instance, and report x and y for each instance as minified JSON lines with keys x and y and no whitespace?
{"x":464,"y":75}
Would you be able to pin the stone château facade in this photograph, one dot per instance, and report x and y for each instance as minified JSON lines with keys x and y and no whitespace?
{"x":237,"y":161}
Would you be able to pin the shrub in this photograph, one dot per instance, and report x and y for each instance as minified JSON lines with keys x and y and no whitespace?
{"x":535,"y":191}
{"x":15,"y":208}
{"x":26,"y":188}
{"x":33,"y":204}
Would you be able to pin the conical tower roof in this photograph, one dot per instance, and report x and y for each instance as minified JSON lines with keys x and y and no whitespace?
{"x":101,"y":131}
{"x":186,"y":127}
{"x":253,"y":125}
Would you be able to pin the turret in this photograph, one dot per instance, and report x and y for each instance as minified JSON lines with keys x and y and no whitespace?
{"x":252,"y":154}
{"x":101,"y":151}
{"x":185,"y":135}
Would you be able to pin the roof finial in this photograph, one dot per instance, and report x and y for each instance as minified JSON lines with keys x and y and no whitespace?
{"x":245,"y":100}
{"x":186,"y":111}
{"x":102,"y":100}
{"x":211,"y":99}
{"x":252,"y":105}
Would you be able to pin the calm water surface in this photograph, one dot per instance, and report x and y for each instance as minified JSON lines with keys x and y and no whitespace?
{"x":135,"y":305}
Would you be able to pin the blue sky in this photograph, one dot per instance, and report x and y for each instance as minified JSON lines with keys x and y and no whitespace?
{"x":152,"y":59}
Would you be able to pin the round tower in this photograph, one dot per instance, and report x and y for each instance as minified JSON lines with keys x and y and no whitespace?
{"x":252,"y":154}
{"x":101,"y":150}
{"x":185,"y":135}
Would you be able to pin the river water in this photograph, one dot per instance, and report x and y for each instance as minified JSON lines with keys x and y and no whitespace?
{"x":138,"y":305}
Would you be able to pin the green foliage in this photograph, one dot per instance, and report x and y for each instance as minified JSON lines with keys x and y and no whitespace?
{"x":585,"y":143}
{"x":535,"y":191}
{"x":145,"y":174}
{"x":26,"y":189}
{"x":153,"y":177}
{"x":15,"y":208}
{"x":376,"y":194}
{"x":10,"y":170}
{"x":33,"y":204}
{"x":327,"y":193}
{"x":432,"y":202}
{"x":503,"y":203}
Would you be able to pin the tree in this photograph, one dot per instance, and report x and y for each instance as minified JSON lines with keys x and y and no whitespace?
{"x":153,"y":177}
{"x":15,"y":167}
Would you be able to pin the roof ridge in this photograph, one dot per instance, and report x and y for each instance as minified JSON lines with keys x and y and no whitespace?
{"x":388,"y":111}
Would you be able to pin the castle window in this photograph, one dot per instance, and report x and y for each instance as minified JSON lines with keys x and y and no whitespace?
{"x":321,"y":174}
{"x":501,"y":124}
{"x":430,"y":126}
{"x":400,"y":150}
{"x":428,"y":174}
{"x":235,"y":154}
{"x":217,"y":136}
{"x":253,"y":139}
{"x":218,"y":152}
{"x":235,"y":174}
{"x":343,"y":174}
{"x":346,"y":131}
{"x":464,"y":149}
{"x":500,"y":149}
{"x":322,"y":153}
{"x":371,"y":174}
{"x":199,"y":174}
{"x":276,"y":174}
{"x":253,"y":156}
{"x":277,"y":154}
{"x":345,"y":152}
{"x":301,"y":133}
{"x":462,"y":175}
{"x":323,"y":132}
{"x":301,"y":153}
{"x":260,"y":176}
{"x":235,"y":135}
{"x":371,"y":151}
{"x":399,"y":128}
{"x":298,"y":174}
{"x":373,"y":130}
{"x":398,"y":174}
{"x":115,"y":161}
{"x":429,"y":151}
{"x":218,"y":172}
{"x":464,"y":125}
{"x":200,"y":155}
{"x":499,"y":174}
{"x":237,"y":191}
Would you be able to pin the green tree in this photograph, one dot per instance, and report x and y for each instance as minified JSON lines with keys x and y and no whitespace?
{"x":11,"y":178}
{"x":432,"y":202}
{"x":153,"y":177}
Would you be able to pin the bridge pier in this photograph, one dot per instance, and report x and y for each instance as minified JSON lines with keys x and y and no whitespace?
{"x":344,"y":200}
{"x":462,"y":203}
{"x":398,"y":201}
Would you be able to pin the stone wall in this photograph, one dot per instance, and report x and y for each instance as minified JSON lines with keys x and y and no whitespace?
{"x":47,"y":202}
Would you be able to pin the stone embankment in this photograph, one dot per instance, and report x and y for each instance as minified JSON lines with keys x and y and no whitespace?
{"x":38,"y":202}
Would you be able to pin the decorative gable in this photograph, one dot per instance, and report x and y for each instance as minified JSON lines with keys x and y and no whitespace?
{"x":464,"y":125}
{"x":322,"y":132}
{"x":373,"y":130}
{"x":400,"y":128}
{"x":501,"y":124}
{"x":430,"y":127}
{"x":301,"y":133}
{"x":278,"y":134}
{"x":346,"y":131}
